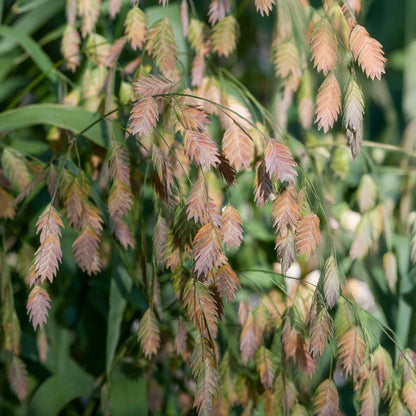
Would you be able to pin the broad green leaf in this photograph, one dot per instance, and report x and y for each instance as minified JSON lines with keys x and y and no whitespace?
{"x":67,"y":117}
{"x":31,"y":22}
{"x":127,"y":395}
{"x":40,"y":58}
{"x":60,"y":389}
{"x":120,"y":287}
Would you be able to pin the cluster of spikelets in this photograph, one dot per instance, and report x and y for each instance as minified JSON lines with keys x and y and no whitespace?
{"x":330,"y":35}
{"x":200,"y":230}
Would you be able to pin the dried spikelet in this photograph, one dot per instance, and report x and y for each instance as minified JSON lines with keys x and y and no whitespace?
{"x":352,"y":351}
{"x":231,"y":227}
{"x":331,"y":282}
{"x":390,"y":270}
{"x":328,"y":103}
{"x":153,"y":85}
{"x":181,"y":338}
{"x":326,"y":399}
{"x":227,"y":172}
{"x":92,"y":82}
{"x":305,"y":100}
{"x":85,"y":250}
{"x":217,"y":10}
{"x":289,"y":338}
{"x":115,"y":52}
{"x":197,"y":202}
{"x":285,"y":210}
{"x":198,"y":70}
{"x":237,"y":147}
{"x":367,"y":193}
{"x":308,"y":235}
{"x":344,"y":318}
{"x":184,"y":17}
{"x":89,"y":10}
{"x":98,"y":49}
{"x":17,"y":377}
{"x":227,"y":282}
{"x":71,"y":11}
{"x":191,"y":117}
{"x":354,"y":5}
{"x":286,"y":60}
{"x":265,"y":366}
{"x":263,"y":187}
{"x":6,"y":205}
{"x":324,"y":46}
{"x":362,"y":238}
{"x":49,"y":254}
{"x":383,"y":368}
{"x":149,"y":334}
{"x":279,"y":161}
{"x":161,"y":46}
{"x":200,"y":147}
{"x":201,"y":307}
{"x":136,"y":27}
{"x":339,"y":23}
{"x":163,"y":167}
{"x":353,"y":116}
{"x":368,"y":52}
{"x":159,"y":240}
{"x":37,"y":306}
{"x":285,"y":248}
{"x":71,"y":42}
{"x":73,"y":197}
{"x":208,"y":249}
{"x":370,"y":397}
{"x":320,"y":331}
{"x":224,"y":36}
{"x":114,"y":8}
{"x":199,"y":37}
{"x":122,"y":233}
{"x":264,"y":6}
{"x":204,"y":370}
{"x":15,"y":168}
{"x":409,"y":395}
{"x":250,"y":339}
{"x":144,"y":116}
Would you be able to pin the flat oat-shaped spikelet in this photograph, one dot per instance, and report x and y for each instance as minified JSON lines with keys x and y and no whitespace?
{"x":324,"y":46}
{"x":231,"y":230}
{"x":368,"y":52}
{"x":279,"y":162}
{"x":136,"y":27}
{"x":328,"y":103}
{"x":37,"y":306}
{"x":144,"y":116}
{"x":201,"y":148}
{"x":326,"y":399}
{"x":264,"y":6}
{"x":237,"y":147}
{"x":49,"y":253}
{"x":308,"y":234}
{"x":224,"y":36}
{"x":161,"y":45}
{"x":149,"y":334}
